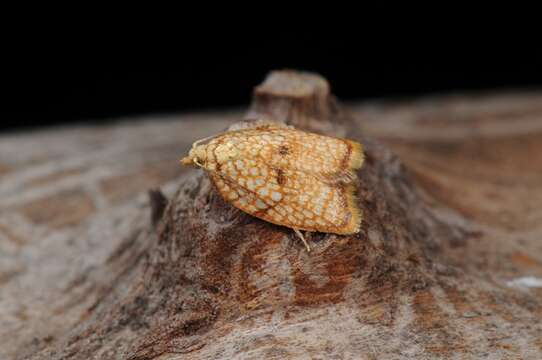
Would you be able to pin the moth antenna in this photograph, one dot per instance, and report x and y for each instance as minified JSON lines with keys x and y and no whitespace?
{"x":196,"y":143}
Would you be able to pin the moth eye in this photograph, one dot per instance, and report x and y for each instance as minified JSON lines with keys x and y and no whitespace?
{"x":198,"y":161}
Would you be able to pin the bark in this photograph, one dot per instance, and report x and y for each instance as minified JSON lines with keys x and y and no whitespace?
{"x":91,"y":268}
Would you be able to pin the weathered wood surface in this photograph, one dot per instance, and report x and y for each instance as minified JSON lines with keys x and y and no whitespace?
{"x":451,"y":220}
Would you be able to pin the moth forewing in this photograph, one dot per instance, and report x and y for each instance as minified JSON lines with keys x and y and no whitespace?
{"x":287,"y":177}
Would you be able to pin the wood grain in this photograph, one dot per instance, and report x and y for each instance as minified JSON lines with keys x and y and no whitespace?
{"x":452,"y":196}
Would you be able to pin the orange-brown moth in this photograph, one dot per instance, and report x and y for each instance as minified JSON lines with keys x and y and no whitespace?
{"x":285,"y":176}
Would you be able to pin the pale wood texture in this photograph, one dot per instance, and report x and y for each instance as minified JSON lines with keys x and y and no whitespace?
{"x":453,"y":214}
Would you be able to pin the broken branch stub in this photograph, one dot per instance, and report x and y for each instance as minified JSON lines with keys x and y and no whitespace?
{"x":297,"y":98}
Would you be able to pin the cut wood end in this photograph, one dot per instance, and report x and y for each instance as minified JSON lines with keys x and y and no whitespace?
{"x":297,"y":98}
{"x":295,"y":84}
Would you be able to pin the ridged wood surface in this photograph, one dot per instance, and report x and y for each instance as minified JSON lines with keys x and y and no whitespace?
{"x":451,"y":193}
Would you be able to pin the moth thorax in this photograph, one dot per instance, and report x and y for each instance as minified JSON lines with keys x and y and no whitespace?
{"x":225,"y":152}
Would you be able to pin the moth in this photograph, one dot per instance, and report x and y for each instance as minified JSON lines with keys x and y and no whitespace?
{"x":285,"y":176}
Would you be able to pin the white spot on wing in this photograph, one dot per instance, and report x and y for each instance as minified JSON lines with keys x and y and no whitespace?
{"x":260,"y":204}
{"x":276,"y":196}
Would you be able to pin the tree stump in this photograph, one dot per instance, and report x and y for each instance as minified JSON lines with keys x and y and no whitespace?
{"x":446,"y":264}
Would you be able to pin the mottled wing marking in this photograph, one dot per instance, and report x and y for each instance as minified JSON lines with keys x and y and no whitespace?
{"x":288,"y":177}
{"x":330,"y":159}
{"x":287,"y":197}
{"x":235,"y":194}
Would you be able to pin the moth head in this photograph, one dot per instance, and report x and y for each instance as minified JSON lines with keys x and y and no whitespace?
{"x":197,"y":156}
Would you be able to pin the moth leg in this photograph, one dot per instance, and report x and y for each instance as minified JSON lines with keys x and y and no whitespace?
{"x":298,"y":233}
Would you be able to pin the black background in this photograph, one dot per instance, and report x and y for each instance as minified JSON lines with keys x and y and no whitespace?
{"x":51,"y":95}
